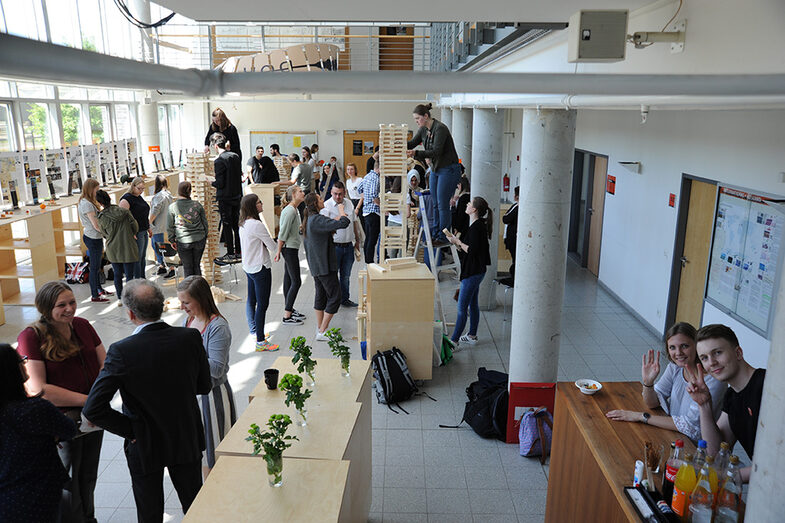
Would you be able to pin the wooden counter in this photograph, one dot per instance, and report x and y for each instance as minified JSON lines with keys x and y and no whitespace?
{"x":270,"y":213}
{"x":593,"y":457}
{"x":335,"y":431}
{"x":237,"y":490}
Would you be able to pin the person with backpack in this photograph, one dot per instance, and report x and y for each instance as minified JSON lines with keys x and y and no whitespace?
{"x":476,"y":258}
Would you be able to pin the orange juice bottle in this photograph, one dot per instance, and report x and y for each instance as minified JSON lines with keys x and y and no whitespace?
{"x":702,"y":499}
{"x":713,"y":480}
{"x":682,"y":488}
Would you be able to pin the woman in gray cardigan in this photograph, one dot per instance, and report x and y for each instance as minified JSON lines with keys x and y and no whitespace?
{"x":320,"y":252}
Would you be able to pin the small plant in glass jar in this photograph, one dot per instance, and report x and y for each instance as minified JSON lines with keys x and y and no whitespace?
{"x":292,"y":384}
{"x":339,"y":350}
{"x":302,"y":358}
{"x":273,"y":442}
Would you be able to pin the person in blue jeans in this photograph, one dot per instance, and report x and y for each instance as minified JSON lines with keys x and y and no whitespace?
{"x":93,"y":240}
{"x":445,"y":167}
{"x":476,"y":258}
{"x":159,"y":212}
{"x":345,"y":239}
{"x":134,"y":201}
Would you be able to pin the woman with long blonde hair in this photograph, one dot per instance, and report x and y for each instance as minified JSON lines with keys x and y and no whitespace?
{"x":65,"y":356}
{"x":93,"y":239}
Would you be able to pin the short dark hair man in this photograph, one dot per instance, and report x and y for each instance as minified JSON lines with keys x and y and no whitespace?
{"x":721,"y":357}
{"x":159,"y":370}
{"x":260,"y":168}
{"x":275,"y":150}
{"x":346,"y":240}
{"x":229,"y":190}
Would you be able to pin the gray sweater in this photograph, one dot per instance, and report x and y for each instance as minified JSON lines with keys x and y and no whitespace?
{"x":319,"y":246}
{"x":187,"y":222}
{"x":217,"y":340}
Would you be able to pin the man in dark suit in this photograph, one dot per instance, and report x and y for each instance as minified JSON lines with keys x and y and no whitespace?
{"x":510,"y":219}
{"x":159,"y":370}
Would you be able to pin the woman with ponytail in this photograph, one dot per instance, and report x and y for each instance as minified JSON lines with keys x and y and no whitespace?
{"x":65,"y":355}
{"x":477,"y":256}
{"x":320,"y":252}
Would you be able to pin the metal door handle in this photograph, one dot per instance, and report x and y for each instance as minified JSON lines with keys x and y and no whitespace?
{"x":591,"y":211}
{"x":684,"y":261}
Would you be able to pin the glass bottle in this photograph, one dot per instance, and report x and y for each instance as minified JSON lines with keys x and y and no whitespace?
{"x":729,"y":498}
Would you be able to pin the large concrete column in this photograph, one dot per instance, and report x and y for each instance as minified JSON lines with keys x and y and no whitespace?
{"x":548,"y":143}
{"x":461,"y":131}
{"x":446,"y":117}
{"x":149,"y":137}
{"x":486,"y":169}
{"x":765,"y":501}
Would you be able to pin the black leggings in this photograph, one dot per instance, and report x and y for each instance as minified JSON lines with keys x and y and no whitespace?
{"x":291,"y":276}
{"x":372,"y":229}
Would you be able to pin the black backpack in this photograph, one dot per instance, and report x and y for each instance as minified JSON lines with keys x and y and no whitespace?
{"x":393,"y":381}
{"x":486,"y":410}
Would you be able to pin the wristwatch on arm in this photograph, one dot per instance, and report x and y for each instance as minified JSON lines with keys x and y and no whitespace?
{"x":646,"y":417}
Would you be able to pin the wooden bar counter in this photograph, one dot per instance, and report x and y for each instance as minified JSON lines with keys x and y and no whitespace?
{"x":237,"y":490}
{"x":593,"y":457}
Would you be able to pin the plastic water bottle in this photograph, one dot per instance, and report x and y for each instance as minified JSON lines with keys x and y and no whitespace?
{"x":702,"y":499}
{"x":722,"y":459}
{"x":700,"y":454}
{"x":729,"y":498}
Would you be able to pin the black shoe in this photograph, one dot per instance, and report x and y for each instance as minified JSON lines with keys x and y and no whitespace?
{"x":222,"y":261}
{"x":161,"y":270}
{"x":169,"y":275}
{"x":439,"y":243}
{"x":298,"y":314}
{"x":237,"y":257}
{"x":348,"y":303}
{"x":292,"y":321}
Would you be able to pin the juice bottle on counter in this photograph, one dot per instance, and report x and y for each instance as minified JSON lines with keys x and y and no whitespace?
{"x":671,"y":469}
{"x":729,"y":498}
{"x":713,"y":477}
{"x":702,"y":498}
{"x":683,"y":485}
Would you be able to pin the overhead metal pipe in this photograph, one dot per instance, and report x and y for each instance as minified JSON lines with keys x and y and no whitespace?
{"x":22,"y":58}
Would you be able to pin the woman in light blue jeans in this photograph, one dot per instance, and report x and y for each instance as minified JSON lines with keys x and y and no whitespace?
{"x":477,"y":258}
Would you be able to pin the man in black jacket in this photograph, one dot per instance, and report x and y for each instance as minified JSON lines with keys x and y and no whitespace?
{"x":510,"y":219}
{"x":229,"y":190}
{"x":159,"y":370}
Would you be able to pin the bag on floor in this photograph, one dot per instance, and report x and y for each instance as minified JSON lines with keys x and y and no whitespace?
{"x":393,"y":382}
{"x":78,"y":272}
{"x":536,"y":433}
{"x":486,"y":408}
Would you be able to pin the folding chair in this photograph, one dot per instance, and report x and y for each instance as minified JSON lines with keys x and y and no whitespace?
{"x":168,"y":251}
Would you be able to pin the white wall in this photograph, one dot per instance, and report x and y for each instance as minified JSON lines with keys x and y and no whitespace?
{"x":302,"y":115}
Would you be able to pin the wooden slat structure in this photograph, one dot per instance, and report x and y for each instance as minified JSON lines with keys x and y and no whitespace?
{"x":392,"y":167}
{"x":198,"y":167}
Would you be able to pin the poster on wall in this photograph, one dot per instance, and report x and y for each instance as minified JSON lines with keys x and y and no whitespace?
{"x":746,"y":256}
{"x":11,"y":177}
{"x":92,"y":163}
{"x":34,"y":165}
{"x":121,"y":159}
{"x":107,"y":163}
{"x":74,"y":164}
{"x":55,"y":165}
{"x":133,"y":157}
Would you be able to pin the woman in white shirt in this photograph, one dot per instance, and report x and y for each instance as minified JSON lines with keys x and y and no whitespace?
{"x":352,"y":182}
{"x":257,"y":247}
{"x":670,"y":390}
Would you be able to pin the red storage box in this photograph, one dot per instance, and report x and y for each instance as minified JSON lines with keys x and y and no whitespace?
{"x":524,"y":396}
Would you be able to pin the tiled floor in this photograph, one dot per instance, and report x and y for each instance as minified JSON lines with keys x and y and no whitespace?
{"x":420,"y":472}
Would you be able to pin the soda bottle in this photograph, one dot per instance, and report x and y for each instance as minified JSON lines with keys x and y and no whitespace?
{"x":702,"y":498}
{"x":729,"y":498}
{"x":700,"y":454}
{"x":683,"y":486}
{"x":721,"y":461}
{"x":671,"y":469}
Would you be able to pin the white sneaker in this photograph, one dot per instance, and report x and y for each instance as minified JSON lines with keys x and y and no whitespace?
{"x":468,"y":340}
{"x":320,"y":336}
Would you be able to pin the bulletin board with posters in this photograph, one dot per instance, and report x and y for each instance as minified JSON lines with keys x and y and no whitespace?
{"x":746,"y":259}
{"x":289,"y":141}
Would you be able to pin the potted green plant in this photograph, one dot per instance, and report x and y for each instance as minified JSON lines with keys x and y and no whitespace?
{"x":339,"y":350}
{"x":292,"y":384}
{"x":273,"y":442}
{"x":302,"y":357}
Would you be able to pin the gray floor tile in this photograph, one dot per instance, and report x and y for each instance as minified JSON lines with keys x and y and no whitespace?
{"x":404,"y":457}
{"x":404,"y":500}
{"x":404,"y":437}
{"x":443,"y":457}
{"x":491,"y":501}
{"x":404,"y":477}
{"x":445,"y":477}
{"x":450,"y":518}
{"x":528,"y":502}
{"x":405,"y":518}
{"x":377,"y":500}
{"x":448,"y":501}
{"x":486,"y":478}
{"x":495,"y":518}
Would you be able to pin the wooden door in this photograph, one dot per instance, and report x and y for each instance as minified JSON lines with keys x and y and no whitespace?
{"x":596,"y":213}
{"x":396,"y":48}
{"x":357,"y":141}
{"x":695,"y":255}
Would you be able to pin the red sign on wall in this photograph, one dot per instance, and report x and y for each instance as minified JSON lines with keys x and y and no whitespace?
{"x":154,"y":148}
{"x":672,"y":200}
{"x":610,"y":184}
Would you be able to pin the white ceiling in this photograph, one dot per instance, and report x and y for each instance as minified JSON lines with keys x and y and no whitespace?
{"x":529,"y":11}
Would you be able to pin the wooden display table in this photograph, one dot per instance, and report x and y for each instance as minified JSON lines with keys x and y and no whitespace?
{"x":270,"y":212}
{"x":334,"y":431}
{"x":237,"y":490}
{"x":593,"y":457}
{"x":400,"y":310}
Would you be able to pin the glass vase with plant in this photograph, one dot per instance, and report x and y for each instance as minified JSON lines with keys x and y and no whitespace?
{"x":337,"y":347}
{"x":292,"y":384}
{"x":302,"y":358}
{"x":273,"y":442}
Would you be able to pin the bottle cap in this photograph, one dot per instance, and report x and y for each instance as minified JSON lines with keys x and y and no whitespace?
{"x":702,"y":444}
{"x":709,"y":459}
{"x":724,"y":445}
{"x":679,"y":443}
{"x":734,"y":459}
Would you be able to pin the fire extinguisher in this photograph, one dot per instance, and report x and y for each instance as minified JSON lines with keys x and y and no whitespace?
{"x":506,"y":182}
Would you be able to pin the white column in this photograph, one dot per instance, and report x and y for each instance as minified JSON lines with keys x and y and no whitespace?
{"x":149,"y":136}
{"x":765,"y":501}
{"x":486,"y":169}
{"x":446,"y":117}
{"x":461,"y":131}
{"x":547,"y":150}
